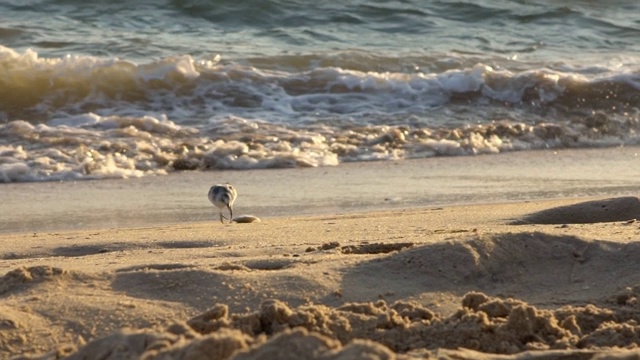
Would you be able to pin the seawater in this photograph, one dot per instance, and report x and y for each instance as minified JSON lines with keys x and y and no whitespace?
{"x":117,"y":89}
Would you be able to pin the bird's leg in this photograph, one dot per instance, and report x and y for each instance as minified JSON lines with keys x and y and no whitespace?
{"x":230,"y":213}
{"x":222,"y":217}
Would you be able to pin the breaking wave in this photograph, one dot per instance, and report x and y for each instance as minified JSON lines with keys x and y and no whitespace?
{"x":84,"y":117}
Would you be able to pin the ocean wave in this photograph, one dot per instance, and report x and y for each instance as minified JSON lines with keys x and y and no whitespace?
{"x":39,"y":89}
{"x":84,"y":117}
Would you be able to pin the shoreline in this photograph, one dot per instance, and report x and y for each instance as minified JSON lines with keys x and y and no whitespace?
{"x":347,"y":188}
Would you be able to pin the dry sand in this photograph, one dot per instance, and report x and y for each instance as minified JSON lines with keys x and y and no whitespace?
{"x":360,"y":261}
{"x":556,"y":279}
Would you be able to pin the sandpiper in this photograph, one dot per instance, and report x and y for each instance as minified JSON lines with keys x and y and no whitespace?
{"x":221,"y":196}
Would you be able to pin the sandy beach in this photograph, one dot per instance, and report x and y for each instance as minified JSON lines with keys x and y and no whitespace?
{"x":424,"y":259}
{"x":452,"y":180}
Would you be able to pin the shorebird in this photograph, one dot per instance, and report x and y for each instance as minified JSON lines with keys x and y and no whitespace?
{"x":222,"y":196}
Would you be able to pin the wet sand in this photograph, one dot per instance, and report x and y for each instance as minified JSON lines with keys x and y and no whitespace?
{"x":428,"y":276}
{"x":350,"y":187}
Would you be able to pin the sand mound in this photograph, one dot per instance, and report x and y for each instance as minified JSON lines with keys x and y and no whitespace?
{"x":381,"y":331}
{"x":42,"y":306}
{"x":25,"y":277}
{"x":240,"y":285}
{"x":607,"y":210}
{"x":539,"y":267}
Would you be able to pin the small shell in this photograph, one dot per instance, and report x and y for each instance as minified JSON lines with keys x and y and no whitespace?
{"x":242,"y":219}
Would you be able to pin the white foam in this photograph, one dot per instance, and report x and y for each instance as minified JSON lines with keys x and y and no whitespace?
{"x":471,"y":80}
{"x":15,"y":172}
{"x":161,"y":70}
{"x":86,"y":117}
{"x":76,"y":120}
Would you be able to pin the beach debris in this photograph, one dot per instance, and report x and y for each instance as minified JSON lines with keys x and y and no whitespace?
{"x":246,"y":219}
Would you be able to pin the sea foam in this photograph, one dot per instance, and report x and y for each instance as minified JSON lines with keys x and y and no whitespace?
{"x":85,"y":117}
